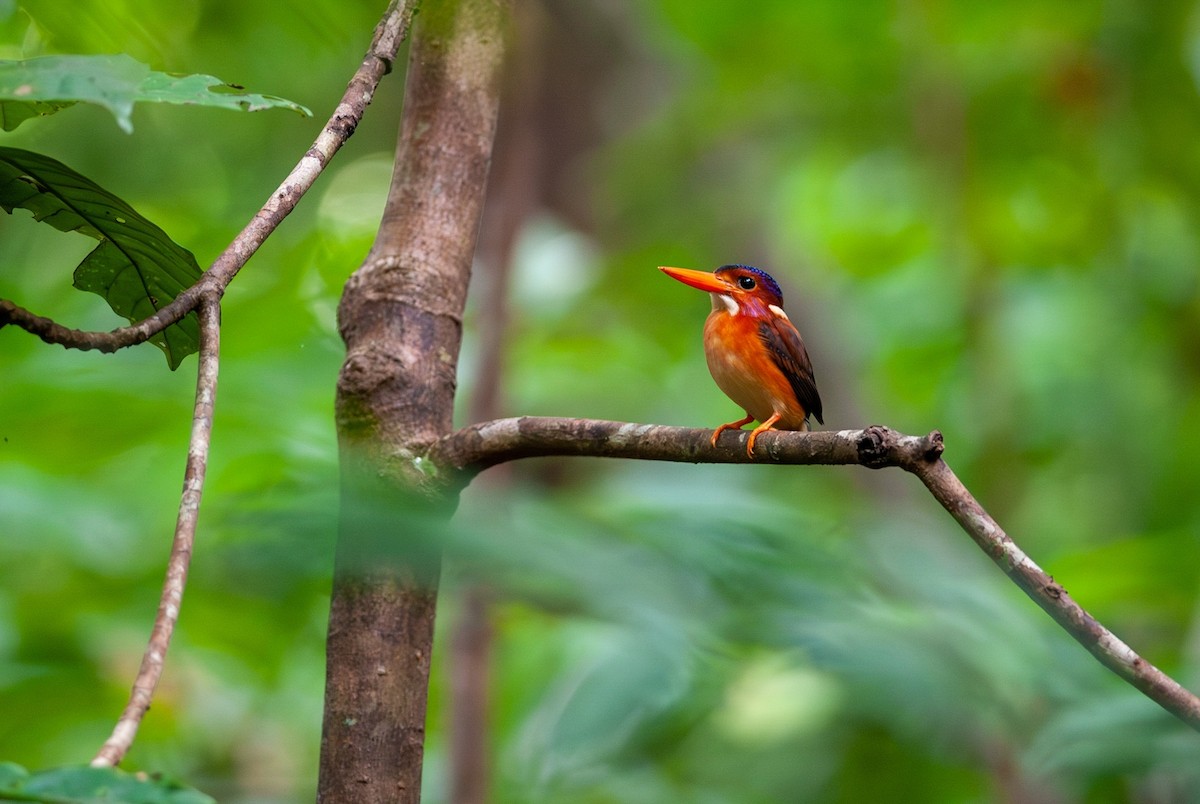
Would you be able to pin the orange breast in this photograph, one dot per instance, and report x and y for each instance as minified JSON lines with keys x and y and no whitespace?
{"x":742,"y":368}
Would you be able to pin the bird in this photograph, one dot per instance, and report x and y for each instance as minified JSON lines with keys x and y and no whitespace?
{"x":754,"y":352}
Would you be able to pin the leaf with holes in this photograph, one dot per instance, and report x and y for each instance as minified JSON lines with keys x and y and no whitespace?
{"x":44,"y":85}
{"x":136,"y":267}
{"x":207,"y":90}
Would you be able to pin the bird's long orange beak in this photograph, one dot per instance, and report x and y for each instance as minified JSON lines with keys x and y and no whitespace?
{"x":701,"y":280}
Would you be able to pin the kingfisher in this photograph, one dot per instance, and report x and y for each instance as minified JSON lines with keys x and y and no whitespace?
{"x":755,"y":354}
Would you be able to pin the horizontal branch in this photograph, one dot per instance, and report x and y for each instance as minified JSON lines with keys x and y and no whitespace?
{"x":468,"y":451}
{"x":52,"y":332}
{"x":390,"y":32}
{"x":475,"y":448}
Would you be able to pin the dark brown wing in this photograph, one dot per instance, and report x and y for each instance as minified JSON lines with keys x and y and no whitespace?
{"x":787,"y":350}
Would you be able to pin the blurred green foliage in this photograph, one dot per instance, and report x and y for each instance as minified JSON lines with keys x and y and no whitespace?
{"x":94,"y":786}
{"x":984,"y":220}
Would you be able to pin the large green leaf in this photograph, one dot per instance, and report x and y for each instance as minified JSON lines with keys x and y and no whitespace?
{"x":136,"y":267}
{"x":43,"y":85}
{"x":84,"y":785}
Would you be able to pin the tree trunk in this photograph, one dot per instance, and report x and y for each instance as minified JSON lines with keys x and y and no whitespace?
{"x":401,"y":319}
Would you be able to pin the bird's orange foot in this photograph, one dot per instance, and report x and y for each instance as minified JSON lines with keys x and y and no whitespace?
{"x":738,"y":425}
{"x":769,"y":424}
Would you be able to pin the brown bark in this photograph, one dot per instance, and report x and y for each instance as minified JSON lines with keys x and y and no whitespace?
{"x":401,"y":319}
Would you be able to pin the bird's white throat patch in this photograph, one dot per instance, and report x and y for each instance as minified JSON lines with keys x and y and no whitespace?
{"x":722,"y":300}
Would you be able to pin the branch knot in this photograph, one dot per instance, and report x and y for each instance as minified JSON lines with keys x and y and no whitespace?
{"x":876,"y":445}
{"x":934,"y":445}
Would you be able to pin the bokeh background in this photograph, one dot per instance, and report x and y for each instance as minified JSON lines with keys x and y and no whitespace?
{"x":984,"y":220}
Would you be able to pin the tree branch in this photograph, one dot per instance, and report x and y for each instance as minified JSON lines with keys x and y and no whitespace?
{"x":115,"y":748}
{"x":468,"y":451}
{"x":472,"y":449}
{"x":391,"y":31}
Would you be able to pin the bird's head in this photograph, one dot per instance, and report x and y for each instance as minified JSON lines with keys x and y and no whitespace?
{"x":737,"y":289}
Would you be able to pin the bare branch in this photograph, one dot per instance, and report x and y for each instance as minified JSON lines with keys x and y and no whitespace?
{"x":1053,"y":598}
{"x":465,"y":453}
{"x":390,"y":32}
{"x":472,"y":449}
{"x":181,"y":548}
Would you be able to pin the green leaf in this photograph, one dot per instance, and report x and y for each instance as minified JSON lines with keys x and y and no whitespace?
{"x":136,"y":267}
{"x":84,"y":784}
{"x":108,"y":81}
{"x":206,"y":90}
{"x":47,"y":84}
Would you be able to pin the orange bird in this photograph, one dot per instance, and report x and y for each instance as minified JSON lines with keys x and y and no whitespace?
{"x":754,"y":353}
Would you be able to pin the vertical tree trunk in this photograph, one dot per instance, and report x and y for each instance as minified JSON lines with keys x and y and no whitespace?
{"x":401,"y":319}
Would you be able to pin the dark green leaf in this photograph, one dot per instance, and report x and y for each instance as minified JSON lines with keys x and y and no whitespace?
{"x":136,"y":267}
{"x":44,"y":85}
{"x":84,"y":784}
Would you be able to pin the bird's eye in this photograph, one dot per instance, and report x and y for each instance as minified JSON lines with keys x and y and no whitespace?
{"x":746,"y":282}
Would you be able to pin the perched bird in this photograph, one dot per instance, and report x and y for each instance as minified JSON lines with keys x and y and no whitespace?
{"x":754,"y":352}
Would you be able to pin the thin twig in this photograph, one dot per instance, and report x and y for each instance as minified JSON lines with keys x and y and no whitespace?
{"x":390,"y":32}
{"x":181,"y":548}
{"x":462,"y":454}
{"x":1114,"y":654}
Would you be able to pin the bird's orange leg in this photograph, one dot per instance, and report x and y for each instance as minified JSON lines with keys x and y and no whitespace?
{"x":769,"y":424}
{"x":738,"y":425}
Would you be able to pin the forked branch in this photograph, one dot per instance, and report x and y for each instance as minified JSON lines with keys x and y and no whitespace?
{"x":465,"y":453}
